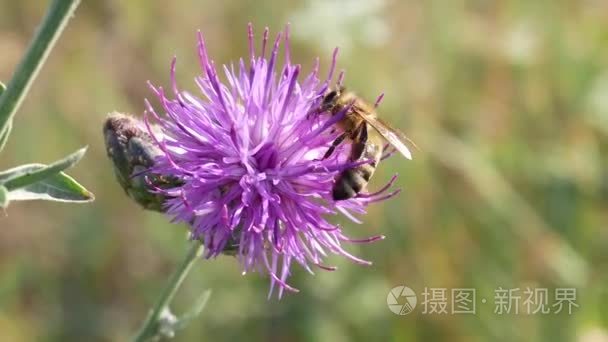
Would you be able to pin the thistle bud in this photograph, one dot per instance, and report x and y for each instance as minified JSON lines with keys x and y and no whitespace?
{"x":132,"y":152}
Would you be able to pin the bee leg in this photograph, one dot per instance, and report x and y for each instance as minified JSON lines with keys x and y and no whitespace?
{"x":360,"y":139}
{"x":335,"y":144}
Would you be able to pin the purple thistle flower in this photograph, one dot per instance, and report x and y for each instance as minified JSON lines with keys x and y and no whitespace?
{"x":249,"y":156}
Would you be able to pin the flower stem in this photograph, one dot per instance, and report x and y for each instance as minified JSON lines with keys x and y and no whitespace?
{"x":150,"y":327}
{"x":53,"y":24}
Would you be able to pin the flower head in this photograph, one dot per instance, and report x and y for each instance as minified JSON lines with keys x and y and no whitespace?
{"x":249,"y":152}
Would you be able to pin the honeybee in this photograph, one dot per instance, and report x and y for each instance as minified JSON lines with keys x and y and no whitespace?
{"x":366,"y":143}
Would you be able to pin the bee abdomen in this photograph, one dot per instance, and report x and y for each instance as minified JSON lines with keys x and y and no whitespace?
{"x":350,"y":182}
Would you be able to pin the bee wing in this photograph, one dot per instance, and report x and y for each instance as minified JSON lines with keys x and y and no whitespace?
{"x":395,"y":137}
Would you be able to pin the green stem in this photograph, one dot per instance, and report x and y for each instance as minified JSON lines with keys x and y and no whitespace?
{"x":53,"y":24}
{"x":150,"y":326}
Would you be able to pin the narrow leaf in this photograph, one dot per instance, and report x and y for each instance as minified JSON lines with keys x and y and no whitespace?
{"x":195,"y":311}
{"x":26,"y":177}
{"x":3,"y":197}
{"x":2,"y":88}
{"x":59,"y":188}
{"x":19,"y":170}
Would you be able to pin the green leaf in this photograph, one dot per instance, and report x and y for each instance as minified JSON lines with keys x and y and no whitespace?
{"x":195,"y":311}
{"x":22,"y":176}
{"x":3,"y":197}
{"x":59,"y":188}
{"x":21,"y":169}
{"x":2,"y":88}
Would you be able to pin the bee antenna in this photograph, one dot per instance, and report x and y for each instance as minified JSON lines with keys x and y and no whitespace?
{"x":378,"y":100}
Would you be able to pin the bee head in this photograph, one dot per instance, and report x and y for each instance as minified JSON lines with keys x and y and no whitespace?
{"x":330,"y":100}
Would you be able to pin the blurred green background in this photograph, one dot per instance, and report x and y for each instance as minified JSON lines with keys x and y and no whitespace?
{"x":507,"y":100}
